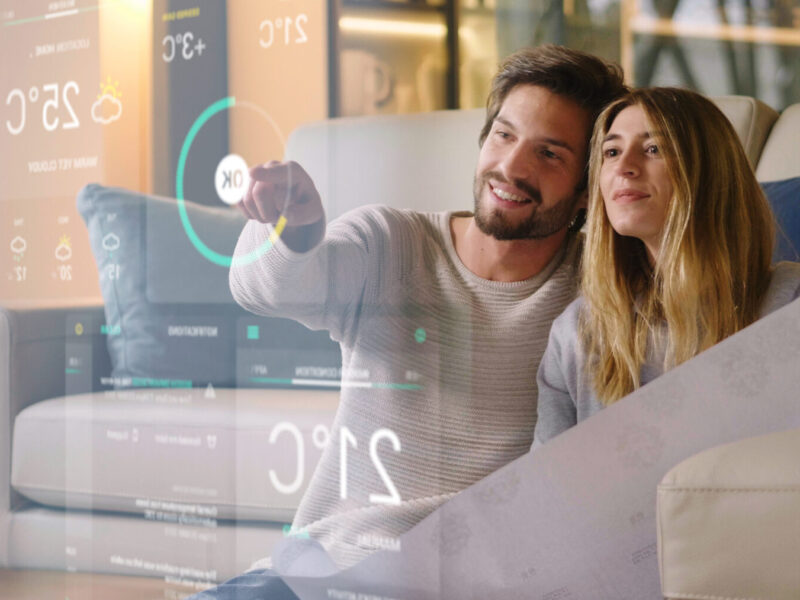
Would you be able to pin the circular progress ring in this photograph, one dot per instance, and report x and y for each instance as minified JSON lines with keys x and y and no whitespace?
{"x":217,"y":258}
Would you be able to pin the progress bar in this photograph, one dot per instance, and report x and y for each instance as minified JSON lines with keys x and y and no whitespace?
{"x":337,"y":383}
{"x":63,"y":13}
{"x":60,"y":14}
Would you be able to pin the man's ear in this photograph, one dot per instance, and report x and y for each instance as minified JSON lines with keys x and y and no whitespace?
{"x":579,"y":212}
{"x":583,"y":201}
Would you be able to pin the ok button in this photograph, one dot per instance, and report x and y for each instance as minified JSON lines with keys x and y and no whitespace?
{"x":231,"y":179}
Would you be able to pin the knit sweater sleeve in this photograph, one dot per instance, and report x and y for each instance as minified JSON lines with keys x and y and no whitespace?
{"x":784,"y":287}
{"x":558,"y":378}
{"x":323,"y":288}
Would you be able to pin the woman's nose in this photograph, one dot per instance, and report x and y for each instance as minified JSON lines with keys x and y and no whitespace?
{"x":628,"y":165}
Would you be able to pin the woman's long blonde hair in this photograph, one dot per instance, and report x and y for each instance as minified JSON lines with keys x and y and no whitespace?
{"x":713,"y":266}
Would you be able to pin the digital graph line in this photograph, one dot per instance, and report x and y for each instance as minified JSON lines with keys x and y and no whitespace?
{"x":336,"y":383}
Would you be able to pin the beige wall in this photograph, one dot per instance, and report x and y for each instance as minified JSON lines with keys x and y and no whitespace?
{"x":289,"y":82}
{"x":126,"y":55}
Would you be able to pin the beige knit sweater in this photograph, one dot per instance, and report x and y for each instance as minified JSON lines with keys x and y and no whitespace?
{"x":444,"y":360}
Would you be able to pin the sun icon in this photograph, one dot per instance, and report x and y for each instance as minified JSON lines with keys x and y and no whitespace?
{"x":110,"y":89}
{"x":64,"y":241}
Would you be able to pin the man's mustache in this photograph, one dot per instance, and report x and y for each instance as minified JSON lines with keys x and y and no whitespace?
{"x":524,"y":186}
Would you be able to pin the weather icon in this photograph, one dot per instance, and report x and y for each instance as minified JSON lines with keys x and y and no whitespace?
{"x":110,"y":242}
{"x":64,"y":249}
{"x":108,"y":107}
{"x":18,"y":245}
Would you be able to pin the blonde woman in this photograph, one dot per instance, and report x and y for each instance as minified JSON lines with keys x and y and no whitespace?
{"x":677,"y":254}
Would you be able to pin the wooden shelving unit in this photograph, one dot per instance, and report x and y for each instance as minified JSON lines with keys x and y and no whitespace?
{"x":447,"y":9}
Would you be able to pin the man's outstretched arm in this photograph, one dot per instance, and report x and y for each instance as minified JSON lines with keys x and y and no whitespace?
{"x":286,"y":264}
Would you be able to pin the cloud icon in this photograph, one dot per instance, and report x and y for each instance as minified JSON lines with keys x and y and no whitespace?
{"x":63,"y":252}
{"x":106,"y":110}
{"x":18,"y":245}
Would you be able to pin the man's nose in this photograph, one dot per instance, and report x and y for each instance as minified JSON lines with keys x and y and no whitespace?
{"x":517,"y":163}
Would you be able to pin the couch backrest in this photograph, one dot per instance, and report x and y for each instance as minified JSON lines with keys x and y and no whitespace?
{"x":752,"y":120}
{"x":427,"y":161}
{"x":780,"y":158}
{"x":423,"y":162}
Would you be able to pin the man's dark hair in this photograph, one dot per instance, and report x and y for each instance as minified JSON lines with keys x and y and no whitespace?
{"x":587,"y":80}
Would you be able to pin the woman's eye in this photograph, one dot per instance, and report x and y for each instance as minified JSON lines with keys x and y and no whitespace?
{"x":653,"y":149}
{"x":502,"y":134}
{"x":610,"y":152}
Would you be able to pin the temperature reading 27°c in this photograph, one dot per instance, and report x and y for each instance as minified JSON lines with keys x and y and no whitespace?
{"x":287,"y":30}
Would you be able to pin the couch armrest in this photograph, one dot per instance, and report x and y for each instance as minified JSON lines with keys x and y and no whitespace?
{"x":34,"y":347}
{"x":729,"y":521}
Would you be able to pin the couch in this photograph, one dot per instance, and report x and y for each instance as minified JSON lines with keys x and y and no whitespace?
{"x":120,"y":457}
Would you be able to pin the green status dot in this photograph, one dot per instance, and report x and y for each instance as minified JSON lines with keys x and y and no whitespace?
{"x":420,"y":335}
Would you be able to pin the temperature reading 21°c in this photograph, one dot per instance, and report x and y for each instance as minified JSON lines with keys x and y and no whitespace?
{"x":285,"y":30}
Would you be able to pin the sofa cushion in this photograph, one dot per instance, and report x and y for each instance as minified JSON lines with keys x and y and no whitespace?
{"x":729,"y":521}
{"x":173,"y":455}
{"x":784,"y":198}
{"x":171,"y":319}
{"x":47,"y":539}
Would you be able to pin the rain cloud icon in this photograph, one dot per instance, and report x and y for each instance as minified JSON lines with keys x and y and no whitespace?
{"x":110,"y":242}
{"x":106,"y":109}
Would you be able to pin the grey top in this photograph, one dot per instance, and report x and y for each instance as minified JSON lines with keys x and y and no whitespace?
{"x":443,"y":359}
{"x":565,"y":395}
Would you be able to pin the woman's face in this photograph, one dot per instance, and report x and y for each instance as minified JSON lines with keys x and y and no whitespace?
{"x":634,"y":181}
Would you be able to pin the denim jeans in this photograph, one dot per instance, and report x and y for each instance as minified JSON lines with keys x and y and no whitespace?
{"x":261,"y":584}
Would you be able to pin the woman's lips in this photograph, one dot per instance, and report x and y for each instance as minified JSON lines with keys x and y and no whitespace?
{"x":627,"y":195}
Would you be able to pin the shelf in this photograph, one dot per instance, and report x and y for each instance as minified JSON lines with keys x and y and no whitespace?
{"x":482,"y":11}
{"x":781,"y":36}
{"x":388,"y":5}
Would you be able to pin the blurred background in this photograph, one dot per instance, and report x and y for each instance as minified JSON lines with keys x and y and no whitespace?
{"x":108,"y":90}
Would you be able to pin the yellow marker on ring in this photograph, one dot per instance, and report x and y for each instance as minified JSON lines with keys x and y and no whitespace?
{"x":278,"y":230}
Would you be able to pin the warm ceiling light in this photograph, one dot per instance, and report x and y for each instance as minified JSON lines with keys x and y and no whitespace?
{"x":385,"y":26}
{"x":135,"y":4}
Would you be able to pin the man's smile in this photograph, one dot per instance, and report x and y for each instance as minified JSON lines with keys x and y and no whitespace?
{"x":509,"y":196}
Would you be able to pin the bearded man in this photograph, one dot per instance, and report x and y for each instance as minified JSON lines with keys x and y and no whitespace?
{"x":480,"y":290}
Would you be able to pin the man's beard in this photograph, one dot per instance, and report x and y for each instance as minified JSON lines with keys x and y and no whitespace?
{"x":538,"y":225}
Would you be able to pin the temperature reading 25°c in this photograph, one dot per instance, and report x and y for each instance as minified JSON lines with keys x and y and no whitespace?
{"x":293,"y":30}
{"x":51,"y":99}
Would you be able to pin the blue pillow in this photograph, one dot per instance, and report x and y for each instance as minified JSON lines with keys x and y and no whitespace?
{"x":784,"y":198}
{"x":170,"y":318}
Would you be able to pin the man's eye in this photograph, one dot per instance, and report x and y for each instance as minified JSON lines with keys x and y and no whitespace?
{"x":549,"y":153}
{"x":504,"y":135}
